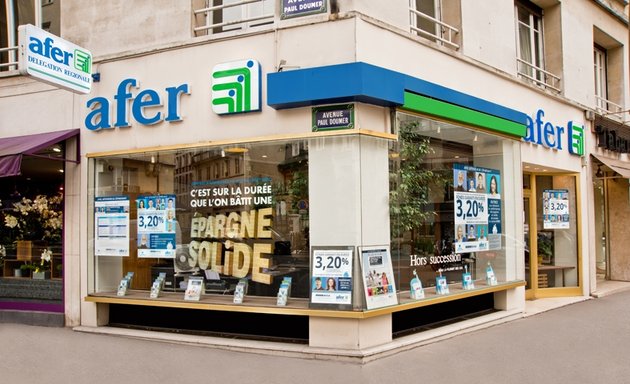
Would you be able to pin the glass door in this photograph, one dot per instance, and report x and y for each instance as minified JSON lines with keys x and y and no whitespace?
{"x":526,"y":226}
{"x":552,"y":252}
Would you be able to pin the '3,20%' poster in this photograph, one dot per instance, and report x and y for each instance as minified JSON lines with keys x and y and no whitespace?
{"x":477,"y":208}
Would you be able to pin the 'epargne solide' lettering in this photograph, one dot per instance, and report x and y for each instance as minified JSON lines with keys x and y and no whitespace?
{"x":242,"y":259}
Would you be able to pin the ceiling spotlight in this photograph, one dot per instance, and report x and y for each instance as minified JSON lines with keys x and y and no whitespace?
{"x":56,"y":149}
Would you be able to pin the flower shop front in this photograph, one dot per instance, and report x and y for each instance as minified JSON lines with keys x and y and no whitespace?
{"x":31,"y":231}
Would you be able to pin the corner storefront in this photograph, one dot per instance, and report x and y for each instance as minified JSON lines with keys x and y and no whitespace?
{"x":319,"y":205}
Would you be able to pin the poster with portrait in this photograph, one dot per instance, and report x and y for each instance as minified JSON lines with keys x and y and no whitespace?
{"x":378,"y":277}
{"x":111,"y":226}
{"x":477,"y":208}
{"x":331,"y":279}
{"x":555,"y":208}
{"x":156,"y":226}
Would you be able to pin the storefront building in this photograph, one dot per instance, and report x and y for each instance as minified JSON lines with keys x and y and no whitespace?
{"x":258,"y":183}
{"x":299,"y":193}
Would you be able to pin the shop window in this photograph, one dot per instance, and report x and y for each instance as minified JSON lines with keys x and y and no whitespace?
{"x":531,"y":42}
{"x":436,"y":21}
{"x":224,"y":227}
{"x":449,"y":205}
{"x":31,"y":228}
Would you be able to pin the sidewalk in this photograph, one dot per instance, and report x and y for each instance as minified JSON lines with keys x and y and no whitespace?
{"x":586,"y":342}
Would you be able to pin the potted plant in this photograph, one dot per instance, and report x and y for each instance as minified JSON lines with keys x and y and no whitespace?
{"x":41,"y":270}
{"x":34,"y":223}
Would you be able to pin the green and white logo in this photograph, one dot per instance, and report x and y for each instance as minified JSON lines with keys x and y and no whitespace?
{"x":83,"y":61}
{"x":236,"y":87}
{"x":576,"y":139}
{"x":53,"y":60}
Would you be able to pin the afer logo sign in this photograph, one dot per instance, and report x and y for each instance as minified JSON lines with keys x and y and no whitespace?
{"x":54,"y":60}
{"x":552,"y":136}
{"x":236,"y":87}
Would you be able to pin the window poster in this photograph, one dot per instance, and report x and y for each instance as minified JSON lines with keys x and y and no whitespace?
{"x":111,"y":223}
{"x":555,"y":208}
{"x":378,"y":277}
{"x":156,"y":226}
{"x":331,"y":280}
{"x":477,"y":209}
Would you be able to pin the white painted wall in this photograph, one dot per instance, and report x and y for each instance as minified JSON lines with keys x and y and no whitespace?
{"x":489,"y":33}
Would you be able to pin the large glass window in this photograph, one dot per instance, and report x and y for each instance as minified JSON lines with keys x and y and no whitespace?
{"x":31,"y":228}
{"x":451,"y":212}
{"x":223,"y":213}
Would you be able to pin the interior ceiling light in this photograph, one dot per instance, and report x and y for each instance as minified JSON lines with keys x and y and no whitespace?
{"x":236,"y":150}
{"x":56,"y":149}
{"x":599,"y":172}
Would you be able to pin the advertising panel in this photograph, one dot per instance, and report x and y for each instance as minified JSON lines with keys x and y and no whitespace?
{"x":54,"y":60}
{"x":477,"y":200}
{"x":331,"y":281}
{"x":111,"y":224}
{"x":156,"y":226}
{"x":555,"y":209}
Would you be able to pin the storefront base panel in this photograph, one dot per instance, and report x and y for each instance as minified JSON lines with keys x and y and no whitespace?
{"x":260,"y":326}
{"x":356,"y":356}
{"x":425,"y":318}
{"x":350,"y":333}
{"x":42,"y":319}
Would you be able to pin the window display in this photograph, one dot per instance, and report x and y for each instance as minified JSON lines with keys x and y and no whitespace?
{"x":31,"y":232}
{"x":232,"y":212}
{"x":448,"y":206}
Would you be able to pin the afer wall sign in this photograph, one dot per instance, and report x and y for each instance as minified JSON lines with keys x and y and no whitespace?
{"x":54,"y":60}
{"x":553,"y":136}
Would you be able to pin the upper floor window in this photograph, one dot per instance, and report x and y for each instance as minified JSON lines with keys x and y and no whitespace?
{"x":530,"y":44}
{"x":13,"y":13}
{"x":220,"y":16}
{"x":609,"y":75}
{"x":601,"y":90}
{"x":426,"y":20}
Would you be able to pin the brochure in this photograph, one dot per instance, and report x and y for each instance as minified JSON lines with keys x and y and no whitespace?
{"x":467,"y":281}
{"x":490,"y":277}
{"x":240,"y":291}
{"x":155,"y":289}
{"x":441,"y":286}
{"x":194,"y":289}
{"x":122,"y":287}
{"x":129,"y":277}
{"x":283,"y":294}
{"x":416,"y":291}
{"x":158,"y":286}
{"x":287,"y":280}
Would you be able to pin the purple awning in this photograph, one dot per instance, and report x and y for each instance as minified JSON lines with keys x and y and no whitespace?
{"x":13,"y":148}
